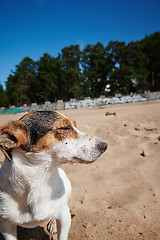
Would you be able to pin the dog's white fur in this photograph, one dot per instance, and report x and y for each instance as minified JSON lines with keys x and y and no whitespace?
{"x":34,"y":190}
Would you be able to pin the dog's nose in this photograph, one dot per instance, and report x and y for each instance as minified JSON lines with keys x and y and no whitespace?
{"x":102,"y":146}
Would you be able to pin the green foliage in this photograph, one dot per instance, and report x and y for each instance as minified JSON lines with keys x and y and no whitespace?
{"x":132,"y":67}
{"x":94,"y":65}
{"x":70,"y":59}
{"x":3,"y":98}
{"x":18,"y":86}
{"x":46,"y":81}
{"x":151,"y":48}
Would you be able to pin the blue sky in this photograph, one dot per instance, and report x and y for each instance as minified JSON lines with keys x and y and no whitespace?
{"x":33,"y":27}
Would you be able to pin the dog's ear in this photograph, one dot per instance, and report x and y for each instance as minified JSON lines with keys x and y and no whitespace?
{"x":13,"y":135}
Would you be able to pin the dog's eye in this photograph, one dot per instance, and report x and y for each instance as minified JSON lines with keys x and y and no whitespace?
{"x":66,"y":128}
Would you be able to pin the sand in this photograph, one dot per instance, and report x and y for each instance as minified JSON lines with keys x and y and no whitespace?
{"x":118,"y":196}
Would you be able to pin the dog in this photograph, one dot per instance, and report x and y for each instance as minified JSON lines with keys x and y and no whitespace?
{"x":33,"y":189}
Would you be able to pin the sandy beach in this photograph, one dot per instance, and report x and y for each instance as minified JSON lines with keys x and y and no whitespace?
{"x":118,"y":196}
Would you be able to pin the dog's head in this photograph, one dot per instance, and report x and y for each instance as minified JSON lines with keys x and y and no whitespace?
{"x":51,"y":132}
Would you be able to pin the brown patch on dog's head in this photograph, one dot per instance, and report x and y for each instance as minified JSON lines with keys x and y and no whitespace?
{"x":47,"y":142}
{"x":38,"y":124}
{"x":37,"y":131}
{"x":64,"y":129}
{"x":58,"y":130}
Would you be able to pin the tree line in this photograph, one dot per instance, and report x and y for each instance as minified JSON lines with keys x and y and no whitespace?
{"x":97,"y":70}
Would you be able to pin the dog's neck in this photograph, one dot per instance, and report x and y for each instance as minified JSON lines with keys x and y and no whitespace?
{"x":32,"y":162}
{"x":28,"y":171}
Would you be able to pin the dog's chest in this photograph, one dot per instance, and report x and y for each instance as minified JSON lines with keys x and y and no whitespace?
{"x":45,"y":200}
{"x":54,"y":196}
